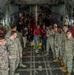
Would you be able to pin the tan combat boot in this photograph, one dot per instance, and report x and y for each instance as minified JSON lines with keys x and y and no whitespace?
{"x":56,"y":59}
{"x":68,"y":73}
{"x":62,"y":63}
{"x":64,"y":69}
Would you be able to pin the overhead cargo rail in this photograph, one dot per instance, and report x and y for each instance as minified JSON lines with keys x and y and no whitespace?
{"x":30,"y":2}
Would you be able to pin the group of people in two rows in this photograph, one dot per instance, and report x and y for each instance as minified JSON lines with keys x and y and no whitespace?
{"x":60,"y":41}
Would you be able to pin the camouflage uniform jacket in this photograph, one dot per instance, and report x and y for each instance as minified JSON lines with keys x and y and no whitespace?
{"x":69,"y":47}
{"x":17,"y":41}
{"x":3,"y":58}
{"x":57,"y":40}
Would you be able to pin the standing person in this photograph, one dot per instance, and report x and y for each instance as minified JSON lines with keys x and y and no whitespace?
{"x":3,"y":58}
{"x":57,"y":43}
{"x":37,"y":36}
{"x":13,"y":28}
{"x":20,"y":27}
{"x":33,"y":24}
{"x":63,"y":38}
{"x":50,"y":40}
{"x":43,"y":35}
{"x":69,"y":53}
{"x":14,"y":54}
{"x":24,"y":34}
{"x":60,"y":42}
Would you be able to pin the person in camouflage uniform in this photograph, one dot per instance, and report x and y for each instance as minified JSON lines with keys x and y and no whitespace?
{"x":4,"y":69}
{"x":63,"y":38}
{"x":57,"y":43}
{"x":50,"y":40}
{"x":13,"y":52}
{"x":69,"y":47}
{"x":13,"y":28}
{"x":60,"y":39}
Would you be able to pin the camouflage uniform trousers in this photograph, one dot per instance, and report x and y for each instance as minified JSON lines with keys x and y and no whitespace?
{"x":17,"y":62}
{"x":63,"y":37}
{"x":50,"y":44}
{"x":68,"y":60}
{"x":18,"y":53}
{"x":62,"y":53}
{"x":3,"y":61}
{"x":4,"y":72}
{"x":14,"y":62}
{"x":57,"y":52}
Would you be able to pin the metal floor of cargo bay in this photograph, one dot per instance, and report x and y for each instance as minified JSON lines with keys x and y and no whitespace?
{"x":38,"y":64}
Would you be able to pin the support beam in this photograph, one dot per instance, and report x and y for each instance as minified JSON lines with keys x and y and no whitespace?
{"x":36,"y":13}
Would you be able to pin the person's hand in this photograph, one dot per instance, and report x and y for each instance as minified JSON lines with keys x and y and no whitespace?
{"x":7,"y":69}
{"x":20,"y":55}
{"x":10,"y":57}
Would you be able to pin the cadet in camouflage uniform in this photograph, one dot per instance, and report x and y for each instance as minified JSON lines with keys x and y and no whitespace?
{"x":57,"y":44}
{"x":13,"y":52}
{"x":60,"y":41}
{"x":13,"y":28}
{"x":50,"y":40}
{"x":3,"y":58}
{"x":63,"y":38}
{"x":69,"y":51}
{"x":65,"y":29}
